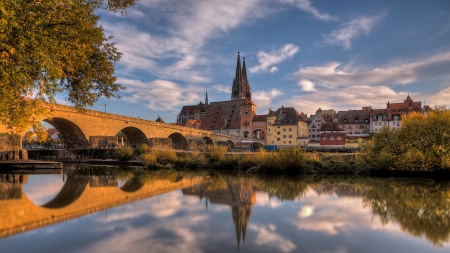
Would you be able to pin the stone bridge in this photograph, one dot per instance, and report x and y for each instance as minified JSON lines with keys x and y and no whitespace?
{"x":80,"y":195}
{"x":94,"y":129}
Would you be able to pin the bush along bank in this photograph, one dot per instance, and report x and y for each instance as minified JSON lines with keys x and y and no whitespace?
{"x":285,"y":161}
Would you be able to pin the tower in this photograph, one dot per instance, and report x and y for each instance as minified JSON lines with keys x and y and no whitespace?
{"x":206,"y":98}
{"x":241,"y":86}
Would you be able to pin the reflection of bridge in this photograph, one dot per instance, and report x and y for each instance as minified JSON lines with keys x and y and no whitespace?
{"x":84,"y":130}
{"x":80,"y":195}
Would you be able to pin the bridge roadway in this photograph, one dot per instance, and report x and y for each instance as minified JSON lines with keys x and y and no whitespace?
{"x":81,"y":195}
{"x":87,"y":129}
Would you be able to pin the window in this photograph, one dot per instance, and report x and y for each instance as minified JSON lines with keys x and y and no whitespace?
{"x":324,"y":138}
{"x":290,"y":136}
{"x":284,"y":129}
{"x":284,"y":136}
{"x":284,"y":142}
{"x":290,"y":129}
{"x":278,"y":138}
{"x":339,"y":138}
{"x":350,"y":127}
{"x":272,"y":141}
{"x":261,"y":123}
{"x":269,"y":123}
{"x":255,"y":124}
{"x":332,"y":138}
{"x":290,"y":142}
{"x":278,"y":132}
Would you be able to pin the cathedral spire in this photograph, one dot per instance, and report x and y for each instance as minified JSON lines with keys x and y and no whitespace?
{"x":206,"y":97}
{"x":245,"y":91}
{"x":237,"y":81}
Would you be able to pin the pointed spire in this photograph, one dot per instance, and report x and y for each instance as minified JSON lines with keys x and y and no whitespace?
{"x":206,"y":97}
{"x":245,"y":84}
{"x":237,"y":81}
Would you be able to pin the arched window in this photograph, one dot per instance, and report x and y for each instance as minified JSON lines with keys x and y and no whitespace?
{"x":278,"y":138}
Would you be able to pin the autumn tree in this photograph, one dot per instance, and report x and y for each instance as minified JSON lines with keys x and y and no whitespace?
{"x":50,"y":47}
{"x":422,"y":143}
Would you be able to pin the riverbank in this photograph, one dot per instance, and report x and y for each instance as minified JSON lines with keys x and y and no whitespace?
{"x":29,"y":165}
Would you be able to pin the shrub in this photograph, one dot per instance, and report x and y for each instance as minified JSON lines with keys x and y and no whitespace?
{"x":124,"y":153}
{"x":216,"y":153}
{"x":148,"y":159}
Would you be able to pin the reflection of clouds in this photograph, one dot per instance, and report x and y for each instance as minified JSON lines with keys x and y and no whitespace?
{"x":331,"y":215}
{"x":155,"y":235}
{"x":40,"y":189}
{"x":269,"y":238}
{"x":306,"y":211}
{"x":265,"y":200}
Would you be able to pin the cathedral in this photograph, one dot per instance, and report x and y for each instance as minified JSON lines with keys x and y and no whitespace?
{"x":232,"y":117}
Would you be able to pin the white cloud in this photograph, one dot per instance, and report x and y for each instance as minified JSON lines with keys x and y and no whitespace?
{"x":273,"y":69}
{"x":349,"y":31}
{"x":306,"y":85}
{"x":173,"y":48}
{"x":305,"y":5}
{"x":269,"y":238}
{"x":267,"y":60}
{"x":160,"y":94}
{"x":306,"y":211}
{"x":264,"y":98}
{"x":334,"y":75}
{"x":222,"y":88}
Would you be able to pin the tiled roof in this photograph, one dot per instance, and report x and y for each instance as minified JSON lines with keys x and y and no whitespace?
{"x":223,"y":115}
{"x":288,"y":116}
{"x":259,"y":118}
{"x":350,"y":117}
{"x":330,"y":126}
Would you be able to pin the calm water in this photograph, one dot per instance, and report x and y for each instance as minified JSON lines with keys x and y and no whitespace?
{"x":110,"y":209}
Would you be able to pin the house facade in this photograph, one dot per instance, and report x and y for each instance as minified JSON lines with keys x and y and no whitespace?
{"x":355,"y":122}
{"x":259,"y":127}
{"x":332,"y":135}
{"x":287,"y":128}
{"x":392,"y":115}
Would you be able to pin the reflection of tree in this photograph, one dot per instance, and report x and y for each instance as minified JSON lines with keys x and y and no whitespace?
{"x":282,"y":187}
{"x":421,"y":209}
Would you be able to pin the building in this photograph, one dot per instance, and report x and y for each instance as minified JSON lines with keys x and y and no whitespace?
{"x":259,"y":127}
{"x":332,"y":135}
{"x":286,"y":127}
{"x":233,"y":117}
{"x":355,"y":122}
{"x":392,"y":115}
{"x":193,"y":112}
{"x":316,"y":122}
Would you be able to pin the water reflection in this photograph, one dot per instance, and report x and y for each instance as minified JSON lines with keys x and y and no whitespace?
{"x":162,"y":211}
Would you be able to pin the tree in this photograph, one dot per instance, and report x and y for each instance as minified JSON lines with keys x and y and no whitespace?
{"x":50,"y":47}
{"x":422,"y":143}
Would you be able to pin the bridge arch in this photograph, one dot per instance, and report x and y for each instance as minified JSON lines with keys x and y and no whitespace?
{"x":209,"y":141}
{"x":131,"y":185}
{"x":135,"y":136}
{"x":71,"y":191}
{"x":179,"y":141}
{"x":231,"y":145}
{"x":71,"y":133}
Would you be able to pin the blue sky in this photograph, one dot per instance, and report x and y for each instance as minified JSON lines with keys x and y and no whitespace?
{"x":301,"y":53}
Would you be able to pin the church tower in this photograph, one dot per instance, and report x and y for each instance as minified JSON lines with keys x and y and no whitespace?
{"x":241,"y":86}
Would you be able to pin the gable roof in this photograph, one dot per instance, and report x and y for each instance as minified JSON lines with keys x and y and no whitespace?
{"x":223,"y":115}
{"x":288,"y":116}
{"x":348,"y":117}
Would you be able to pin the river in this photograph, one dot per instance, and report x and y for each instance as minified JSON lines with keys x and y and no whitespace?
{"x":91,"y":208}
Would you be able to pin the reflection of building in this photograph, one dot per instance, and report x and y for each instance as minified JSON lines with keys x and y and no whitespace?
{"x":239,"y":195}
{"x":11,"y":186}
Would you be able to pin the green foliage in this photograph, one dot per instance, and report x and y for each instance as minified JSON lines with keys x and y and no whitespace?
{"x":53,"y":47}
{"x":148,"y":159}
{"x":37,"y":134}
{"x":421,"y":144}
{"x":124,"y":153}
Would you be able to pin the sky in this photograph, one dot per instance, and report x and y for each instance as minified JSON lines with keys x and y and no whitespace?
{"x":306,"y":54}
